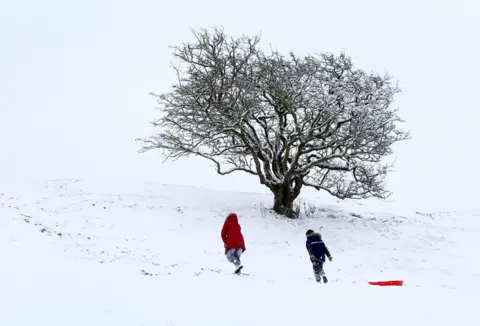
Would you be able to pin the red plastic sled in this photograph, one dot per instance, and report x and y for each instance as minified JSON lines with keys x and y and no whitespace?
{"x":387,"y":283}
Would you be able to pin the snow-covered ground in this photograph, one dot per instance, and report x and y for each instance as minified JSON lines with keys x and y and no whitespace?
{"x":82,"y":253}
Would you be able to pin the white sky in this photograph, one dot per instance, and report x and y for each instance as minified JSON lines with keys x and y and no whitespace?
{"x":75,"y":79}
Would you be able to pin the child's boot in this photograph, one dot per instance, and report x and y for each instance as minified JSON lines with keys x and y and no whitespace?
{"x":238,"y":267}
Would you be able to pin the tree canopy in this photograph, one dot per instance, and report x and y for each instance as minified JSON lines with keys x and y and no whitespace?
{"x":290,"y":120}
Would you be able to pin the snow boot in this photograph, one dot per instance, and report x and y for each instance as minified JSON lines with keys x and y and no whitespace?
{"x":238,"y":270}
{"x":238,"y":267}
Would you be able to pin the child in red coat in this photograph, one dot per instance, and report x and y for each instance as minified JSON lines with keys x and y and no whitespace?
{"x":233,"y":241}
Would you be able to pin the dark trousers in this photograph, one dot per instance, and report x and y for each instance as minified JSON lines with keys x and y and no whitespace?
{"x":318,"y":270}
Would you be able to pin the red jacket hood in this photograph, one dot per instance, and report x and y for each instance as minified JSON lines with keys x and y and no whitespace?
{"x":232,"y":217}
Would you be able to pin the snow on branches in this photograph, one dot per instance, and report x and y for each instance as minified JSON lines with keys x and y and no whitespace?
{"x":292,"y":121}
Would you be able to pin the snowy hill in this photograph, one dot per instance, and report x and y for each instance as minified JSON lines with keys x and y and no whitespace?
{"x":80,"y":253}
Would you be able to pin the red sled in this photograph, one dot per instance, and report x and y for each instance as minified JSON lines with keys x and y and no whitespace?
{"x":387,"y":283}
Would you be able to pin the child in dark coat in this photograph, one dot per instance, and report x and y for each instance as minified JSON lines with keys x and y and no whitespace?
{"x":233,"y":241}
{"x":317,"y":251}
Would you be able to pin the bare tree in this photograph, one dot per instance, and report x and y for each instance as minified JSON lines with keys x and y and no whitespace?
{"x":292,"y":121}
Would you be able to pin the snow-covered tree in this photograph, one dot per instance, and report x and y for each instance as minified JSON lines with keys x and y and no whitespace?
{"x":292,"y":121}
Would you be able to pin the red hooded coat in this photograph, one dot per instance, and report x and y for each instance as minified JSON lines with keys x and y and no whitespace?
{"x":232,"y":233}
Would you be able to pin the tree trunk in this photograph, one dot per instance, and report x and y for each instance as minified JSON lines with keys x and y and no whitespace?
{"x":283,"y":201}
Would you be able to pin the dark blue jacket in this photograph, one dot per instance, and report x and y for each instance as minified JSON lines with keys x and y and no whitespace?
{"x":317,"y":248}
